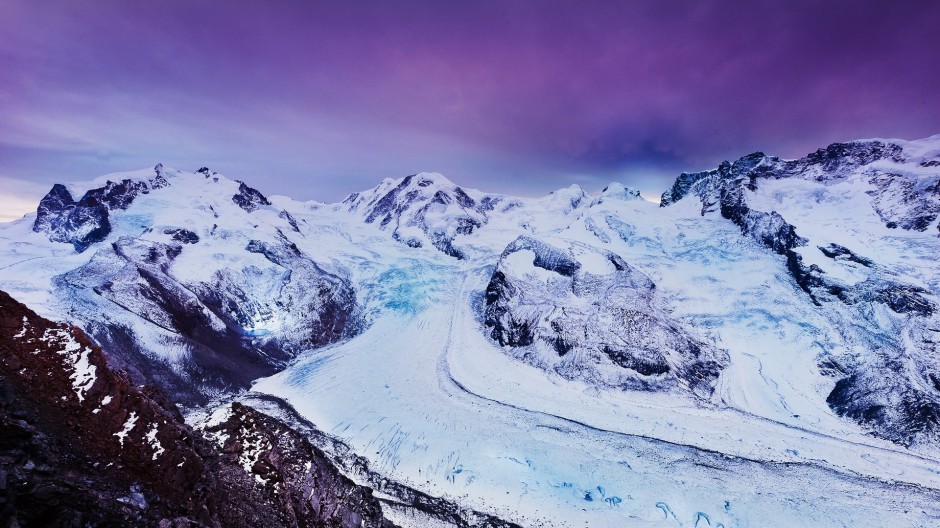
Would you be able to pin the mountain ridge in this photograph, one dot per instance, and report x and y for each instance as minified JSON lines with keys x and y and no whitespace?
{"x":795,"y":295}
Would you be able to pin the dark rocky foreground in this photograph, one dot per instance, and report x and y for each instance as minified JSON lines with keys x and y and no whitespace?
{"x":80,"y":445}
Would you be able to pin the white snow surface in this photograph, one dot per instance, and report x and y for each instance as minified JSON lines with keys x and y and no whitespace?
{"x":154,"y":442}
{"x":127,"y":428}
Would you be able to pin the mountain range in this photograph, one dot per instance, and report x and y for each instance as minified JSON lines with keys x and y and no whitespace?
{"x":759,"y":348}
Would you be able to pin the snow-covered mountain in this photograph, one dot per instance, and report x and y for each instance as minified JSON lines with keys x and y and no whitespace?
{"x":758,"y":349}
{"x":190,"y":278}
{"x":428,"y":210}
{"x":831,"y":215}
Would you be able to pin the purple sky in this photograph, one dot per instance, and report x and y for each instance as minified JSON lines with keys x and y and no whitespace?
{"x":319,"y":99}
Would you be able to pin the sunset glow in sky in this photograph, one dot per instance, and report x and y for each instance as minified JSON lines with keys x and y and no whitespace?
{"x":319,"y":99}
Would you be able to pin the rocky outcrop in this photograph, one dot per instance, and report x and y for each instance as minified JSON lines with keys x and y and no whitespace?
{"x":248,"y":198}
{"x":587,"y":314}
{"x":83,"y":446}
{"x":293,"y":478}
{"x":87,"y":221}
{"x":184,"y":236}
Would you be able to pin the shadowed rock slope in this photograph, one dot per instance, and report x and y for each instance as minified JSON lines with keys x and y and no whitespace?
{"x":81,"y":446}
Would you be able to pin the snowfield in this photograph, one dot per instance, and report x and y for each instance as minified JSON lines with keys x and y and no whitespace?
{"x":416,"y":384}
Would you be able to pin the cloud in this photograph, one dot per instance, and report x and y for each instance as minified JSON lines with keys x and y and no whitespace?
{"x":19,"y":198}
{"x":318,"y":99}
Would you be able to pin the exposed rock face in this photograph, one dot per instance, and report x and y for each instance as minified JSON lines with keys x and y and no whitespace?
{"x":317,"y":307}
{"x":80,"y":224}
{"x":587,"y":314}
{"x":422,"y":209}
{"x":184,"y":236}
{"x":53,"y":209}
{"x":81,"y":445}
{"x":906,"y":201}
{"x":294,"y":478}
{"x":87,"y":221}
{"x":249,"y":198}
{"x":904,"y":409}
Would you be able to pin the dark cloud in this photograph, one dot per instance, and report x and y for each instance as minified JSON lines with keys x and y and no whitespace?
{"x":317,"y":99}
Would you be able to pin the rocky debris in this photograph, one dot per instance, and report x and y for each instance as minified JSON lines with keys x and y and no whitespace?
{"x":82,"y":446}
{"x":587,"y":314}
{"x":292,"y":478}
{"x":87,"y":221}
{"x":248,"y":198}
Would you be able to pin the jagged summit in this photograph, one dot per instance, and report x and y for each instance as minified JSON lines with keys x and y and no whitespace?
{"x":88,"y":220}
{"x":422,"y":209}
{"x":393,"y":197}
{"x":837,"y":162}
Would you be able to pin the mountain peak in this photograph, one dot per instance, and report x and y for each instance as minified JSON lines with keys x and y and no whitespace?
{"x":425,"y":179}
{"x":617,"y":191}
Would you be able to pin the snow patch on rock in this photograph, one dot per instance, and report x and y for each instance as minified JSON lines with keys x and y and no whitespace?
{"x":128,"y":427}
